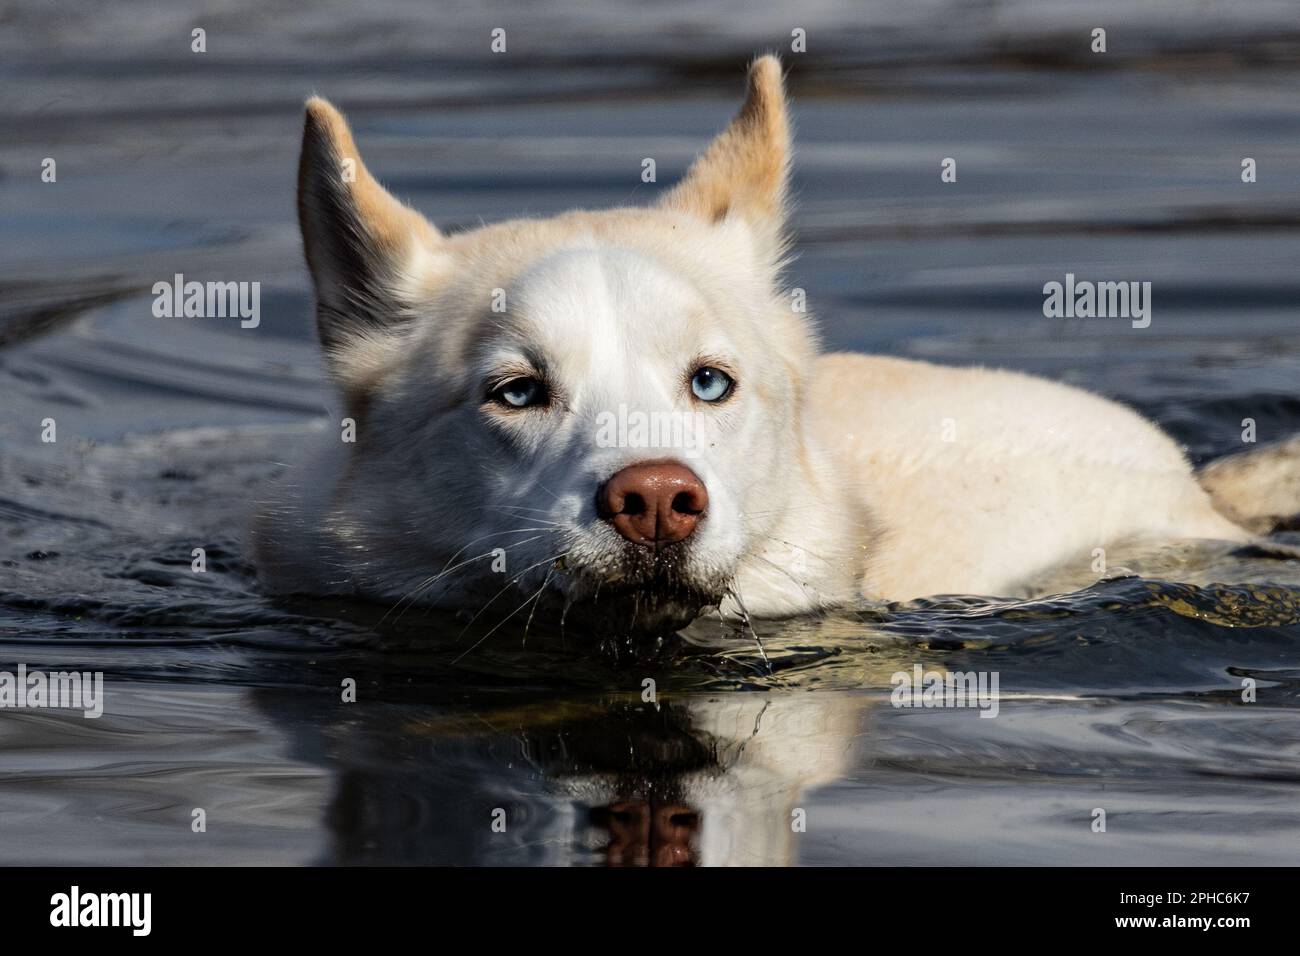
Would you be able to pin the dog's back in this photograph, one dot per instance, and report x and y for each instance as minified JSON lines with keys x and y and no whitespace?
{"x":979,"y":480}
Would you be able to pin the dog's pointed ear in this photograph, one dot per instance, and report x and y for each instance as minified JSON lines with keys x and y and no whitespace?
{"x":745,"y":171}
{"x":361,"y":244}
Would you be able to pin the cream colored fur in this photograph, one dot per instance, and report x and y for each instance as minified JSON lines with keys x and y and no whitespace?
{"x":832,"y":478}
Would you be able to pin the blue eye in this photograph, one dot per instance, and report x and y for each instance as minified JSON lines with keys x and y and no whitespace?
{"x":522,"y":393}
{"x":711,"y":384}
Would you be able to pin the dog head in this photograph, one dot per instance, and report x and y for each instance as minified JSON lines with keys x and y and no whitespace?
{"x":599,"y":407}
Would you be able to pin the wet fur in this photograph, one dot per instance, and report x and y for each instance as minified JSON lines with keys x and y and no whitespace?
{"x":832,"y":478}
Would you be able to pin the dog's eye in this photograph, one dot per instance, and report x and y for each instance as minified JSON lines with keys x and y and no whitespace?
{"x":710,"y":384}
{"x":521,"y":393}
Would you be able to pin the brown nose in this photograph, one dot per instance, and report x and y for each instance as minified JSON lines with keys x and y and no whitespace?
{"x":654,"y":502}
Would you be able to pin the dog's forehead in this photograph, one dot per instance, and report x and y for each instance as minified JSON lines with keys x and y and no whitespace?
{"x":605,"y":304}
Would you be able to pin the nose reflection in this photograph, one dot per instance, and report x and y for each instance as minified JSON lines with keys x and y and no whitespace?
{"x":646,"y":833}
{"x":703,"y":781}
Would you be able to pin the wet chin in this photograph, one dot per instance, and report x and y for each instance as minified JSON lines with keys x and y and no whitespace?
{"x":637,"y":615}
{"x":647,"y":596}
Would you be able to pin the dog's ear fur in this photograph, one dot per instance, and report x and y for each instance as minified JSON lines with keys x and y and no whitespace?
{"x":360,"y":242}
{"x":745,"y":171}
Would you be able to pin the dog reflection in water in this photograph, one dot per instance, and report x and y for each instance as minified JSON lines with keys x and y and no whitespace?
{"x":648,"y":832}
{"x":712,"y":781}
{"x":703,"y":780}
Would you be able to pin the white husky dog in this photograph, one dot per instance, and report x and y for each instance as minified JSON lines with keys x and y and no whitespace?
{"x":485,"y":371}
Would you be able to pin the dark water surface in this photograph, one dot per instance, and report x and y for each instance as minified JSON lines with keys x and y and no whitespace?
{"x":1126,"y":696}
